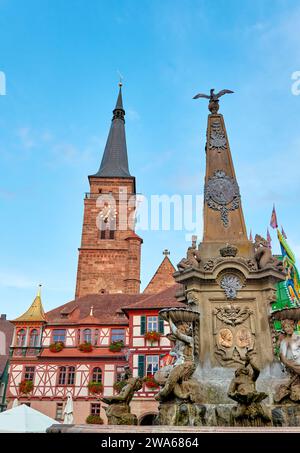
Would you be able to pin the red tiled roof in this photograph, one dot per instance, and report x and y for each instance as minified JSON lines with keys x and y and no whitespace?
{"x":164,"y":299}
{"x":106,"y":307}
{"x":7,"y":328}
{"x":163,"y":277}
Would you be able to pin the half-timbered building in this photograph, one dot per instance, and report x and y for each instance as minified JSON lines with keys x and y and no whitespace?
{"x":82,"y":346}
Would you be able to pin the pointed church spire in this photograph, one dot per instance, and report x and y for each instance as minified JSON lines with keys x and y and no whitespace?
{"x":115,"y":161}
{"x":35,"y":312}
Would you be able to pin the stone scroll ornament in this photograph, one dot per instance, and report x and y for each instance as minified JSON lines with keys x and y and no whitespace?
{"x":222,"y":194}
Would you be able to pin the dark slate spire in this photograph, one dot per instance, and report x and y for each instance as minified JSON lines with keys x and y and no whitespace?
{"x":115,"y":161}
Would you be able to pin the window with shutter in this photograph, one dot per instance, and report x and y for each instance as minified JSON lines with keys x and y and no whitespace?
{"x":141,"y":366}
{"x":143,"y":325}
{"x":160,"y":325}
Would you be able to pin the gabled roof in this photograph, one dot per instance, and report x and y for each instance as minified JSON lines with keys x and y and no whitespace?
{"x":35,"y":312}
{"x":115,"y":160}
{"x":163,"y":277}
{"x":106,"y":309}
{"x":110,"y":309}
{"x":163,"y":299}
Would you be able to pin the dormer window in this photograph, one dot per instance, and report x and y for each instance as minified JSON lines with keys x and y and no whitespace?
{"x":21,"y":338}
{"x":87,"y":335}
{"x":59,"y":335}
{"x":34,"y":338}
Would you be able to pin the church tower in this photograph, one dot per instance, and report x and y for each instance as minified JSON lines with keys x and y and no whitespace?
{"x":109,"y":255}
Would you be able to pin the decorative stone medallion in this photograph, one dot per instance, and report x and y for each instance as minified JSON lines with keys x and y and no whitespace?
{"x":231,"y":284}
{"x":222,"y":193}
{"x":225,"y":338}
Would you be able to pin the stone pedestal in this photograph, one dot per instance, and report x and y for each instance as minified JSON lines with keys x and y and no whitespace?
{"x":181,"y":414}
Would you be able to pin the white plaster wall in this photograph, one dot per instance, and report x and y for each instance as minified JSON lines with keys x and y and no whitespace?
{"x":138,"y":342}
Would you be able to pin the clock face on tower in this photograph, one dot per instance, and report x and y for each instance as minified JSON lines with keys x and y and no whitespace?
{"x":108,"y":213}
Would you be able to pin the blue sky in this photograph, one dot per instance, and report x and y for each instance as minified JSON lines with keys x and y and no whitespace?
{"x":61,"y":61}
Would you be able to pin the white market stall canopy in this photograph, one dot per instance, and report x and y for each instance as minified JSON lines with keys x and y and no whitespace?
{"x":24,"y":419}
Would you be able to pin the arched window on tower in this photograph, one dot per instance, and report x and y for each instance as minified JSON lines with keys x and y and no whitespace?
{"x":34,"y":338}
{"x":87,"y":335}
{"x":97,"y":375}
{"x":21,"y":338}
{"x":107,"y":229}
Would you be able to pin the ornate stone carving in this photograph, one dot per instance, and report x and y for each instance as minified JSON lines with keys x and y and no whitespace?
{"x":252,"y":266}
{"x":234,"y":332}
{"x":228,"y":250}
{"x":209,"y":265}
{"x":263,"y":255}
{"x":232,"y":315}
{"x":231,"y":284}
{"x":118,"y":409}
{"x":217,"y":137}
{"x":222,"y":194}
{"x":249,"y":410}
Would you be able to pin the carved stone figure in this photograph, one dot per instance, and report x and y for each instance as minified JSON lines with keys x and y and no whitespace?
{"x":263,"y":254}
{"x":178,"y":383}
{"x":192,"y":259}
{"x":118,"y":409}
{"x":290,"y":357}
{"x":249,"y":411}
{"x":213,"y":105}
{"x":180,"y":392}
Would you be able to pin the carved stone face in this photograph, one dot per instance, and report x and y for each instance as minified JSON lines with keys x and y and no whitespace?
{"x":184,"y":328}
{"x":288,"y":326}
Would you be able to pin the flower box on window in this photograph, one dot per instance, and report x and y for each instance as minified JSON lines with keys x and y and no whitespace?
{"x":57,"y":346}
{"x":85,"y":347}
{"x":152,"y":336}
{"x":95,"y":387}
{"x":150,"y":382}
{"x":25,"y":387}
{"x":116,"y":346}
{"x":118,"y":386}
{"x":94,"y":420}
